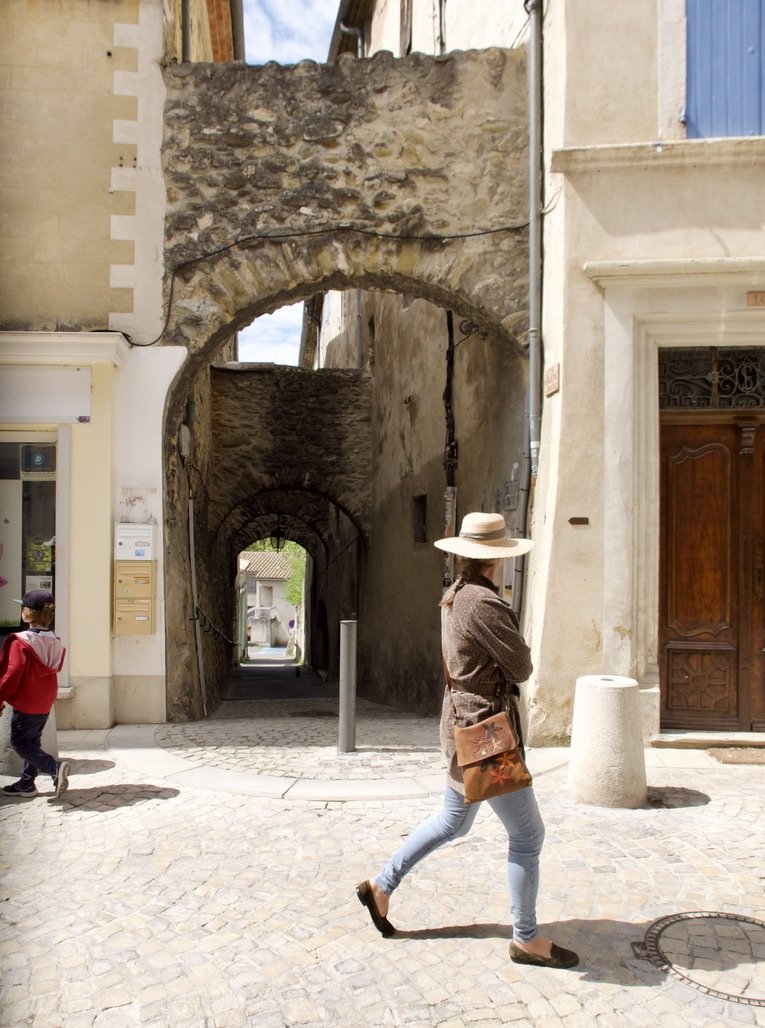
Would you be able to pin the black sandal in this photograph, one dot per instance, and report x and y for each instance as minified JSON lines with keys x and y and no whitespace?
{"x":367,"y":899}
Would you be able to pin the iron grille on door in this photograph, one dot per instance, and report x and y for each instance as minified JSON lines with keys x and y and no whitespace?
{"x":712,"y":378}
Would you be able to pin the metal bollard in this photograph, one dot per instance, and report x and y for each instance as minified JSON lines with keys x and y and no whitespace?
{"x":347,"y":734}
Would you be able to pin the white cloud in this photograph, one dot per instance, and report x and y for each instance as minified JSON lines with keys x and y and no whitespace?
{"x":274,"y":337}
{"x":288,"y":31}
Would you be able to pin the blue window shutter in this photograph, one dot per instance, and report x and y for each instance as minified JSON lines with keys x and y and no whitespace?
{"x":724,"y":59}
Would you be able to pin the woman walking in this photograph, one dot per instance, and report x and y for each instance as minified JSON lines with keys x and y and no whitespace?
{"x":484,"y":657}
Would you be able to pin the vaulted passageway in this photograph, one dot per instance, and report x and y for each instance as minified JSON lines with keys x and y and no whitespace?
{"x":403,"y":176}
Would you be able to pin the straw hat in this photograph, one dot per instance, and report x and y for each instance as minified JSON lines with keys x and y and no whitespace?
{"x":484,"y":536}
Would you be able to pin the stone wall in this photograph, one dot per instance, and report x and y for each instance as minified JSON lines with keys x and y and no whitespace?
{"x":377,"y":173}
{"x":280,"y":428}
{"x":282,"y":182}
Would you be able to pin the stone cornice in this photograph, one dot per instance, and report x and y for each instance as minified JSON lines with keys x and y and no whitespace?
{"x":660,"y":154}
{"x":63,"y":348}
{"x":671,"y":272}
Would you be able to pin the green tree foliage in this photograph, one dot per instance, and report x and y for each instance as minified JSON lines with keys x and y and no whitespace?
{"x":293,"y":587}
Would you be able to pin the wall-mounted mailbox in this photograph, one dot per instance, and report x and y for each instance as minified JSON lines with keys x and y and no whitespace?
{"x":134,"y":597}
{"x":133,"y":542}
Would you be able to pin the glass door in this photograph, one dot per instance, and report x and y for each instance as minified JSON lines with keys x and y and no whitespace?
{"x":27,"y":520}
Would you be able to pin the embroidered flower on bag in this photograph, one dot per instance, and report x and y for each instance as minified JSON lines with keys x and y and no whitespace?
{"x":489,"y":739}
{"x":495,"y":773}
{"x":505,"y":761}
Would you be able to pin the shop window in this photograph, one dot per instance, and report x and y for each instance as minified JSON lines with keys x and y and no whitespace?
{"x":27,"y":523}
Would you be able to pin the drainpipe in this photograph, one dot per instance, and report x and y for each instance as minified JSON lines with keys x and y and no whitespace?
{"x":237,"y":29}
{"x":185,"y":31}
{"x":534,"y":8}
{"x":347,"y":30}
{"x":531,"y":457}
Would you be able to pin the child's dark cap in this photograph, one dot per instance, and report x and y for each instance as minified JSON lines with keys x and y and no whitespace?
{"x":36,"y":599}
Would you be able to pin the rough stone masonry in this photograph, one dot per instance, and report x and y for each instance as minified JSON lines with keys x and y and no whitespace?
{"x":282,"y":181}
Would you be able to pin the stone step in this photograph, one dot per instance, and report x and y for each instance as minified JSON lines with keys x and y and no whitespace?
{"x":707,"y":740}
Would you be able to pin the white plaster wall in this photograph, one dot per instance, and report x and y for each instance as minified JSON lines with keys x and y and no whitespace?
{"x":469,"y":26}
{"x":384,"y":27}
{"x":646,"y":244}
{"x":612,"y":53}
{"x":142,"y":385}
{"x":333,"y":323}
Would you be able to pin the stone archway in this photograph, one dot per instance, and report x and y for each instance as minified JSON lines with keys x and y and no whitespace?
{"x":377,"y":173}
{"x":403,"y":175}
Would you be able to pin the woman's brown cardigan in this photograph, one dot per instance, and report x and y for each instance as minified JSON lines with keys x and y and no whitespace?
{"x":482,"y":650}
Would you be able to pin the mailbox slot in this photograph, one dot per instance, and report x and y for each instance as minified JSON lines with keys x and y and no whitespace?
{"x":134,"y":597}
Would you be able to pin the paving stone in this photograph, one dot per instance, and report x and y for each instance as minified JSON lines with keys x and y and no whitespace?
{"x":195,"y":906}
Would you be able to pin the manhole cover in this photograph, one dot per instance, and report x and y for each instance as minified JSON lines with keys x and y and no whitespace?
{"x":722,"y":955}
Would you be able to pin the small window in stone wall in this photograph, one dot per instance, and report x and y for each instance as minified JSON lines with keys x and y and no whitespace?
{"x":419,"y":519}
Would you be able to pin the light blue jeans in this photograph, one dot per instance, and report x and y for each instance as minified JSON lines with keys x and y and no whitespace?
{"x":520,"y":816}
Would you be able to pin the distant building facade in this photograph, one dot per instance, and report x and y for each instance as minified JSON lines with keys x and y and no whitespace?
{"x":270,"y":618}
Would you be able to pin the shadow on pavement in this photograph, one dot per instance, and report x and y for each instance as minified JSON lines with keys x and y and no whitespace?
{"x":670,"y":797}
{"x":605,"y":950}
{"x":604,"y":947}
{"x":267,"y":681}
{"x":111,"y":797}
{"x":488,"y":930}
{"x":79,"y":766}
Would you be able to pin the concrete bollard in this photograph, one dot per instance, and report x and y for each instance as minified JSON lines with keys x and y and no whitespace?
{"x":10,"y":761}
{"x":607,"y":760}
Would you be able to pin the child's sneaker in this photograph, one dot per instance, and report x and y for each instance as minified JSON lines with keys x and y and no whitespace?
{"x":17,"y":789}
{"x":61,"y":778}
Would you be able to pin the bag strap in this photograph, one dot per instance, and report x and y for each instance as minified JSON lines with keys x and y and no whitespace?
{"x":449,"y":683}
{"x":502,"y":689}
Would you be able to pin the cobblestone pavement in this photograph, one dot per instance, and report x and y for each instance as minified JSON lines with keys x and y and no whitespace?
{"x":297,"y":738}
{"x":185,"y":880}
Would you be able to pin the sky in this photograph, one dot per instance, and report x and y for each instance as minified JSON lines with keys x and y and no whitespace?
{"x":286,"y":31}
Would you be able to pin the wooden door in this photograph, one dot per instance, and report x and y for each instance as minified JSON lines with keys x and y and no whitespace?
{"x":712,"y":588}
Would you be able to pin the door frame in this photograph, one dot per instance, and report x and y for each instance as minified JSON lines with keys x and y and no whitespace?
{"x":648,"y":305}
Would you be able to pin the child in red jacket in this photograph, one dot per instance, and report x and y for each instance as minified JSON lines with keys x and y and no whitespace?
{"x":29,"y":663}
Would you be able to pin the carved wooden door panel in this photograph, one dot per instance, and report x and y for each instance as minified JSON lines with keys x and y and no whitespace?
{"x":711,"y":619}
